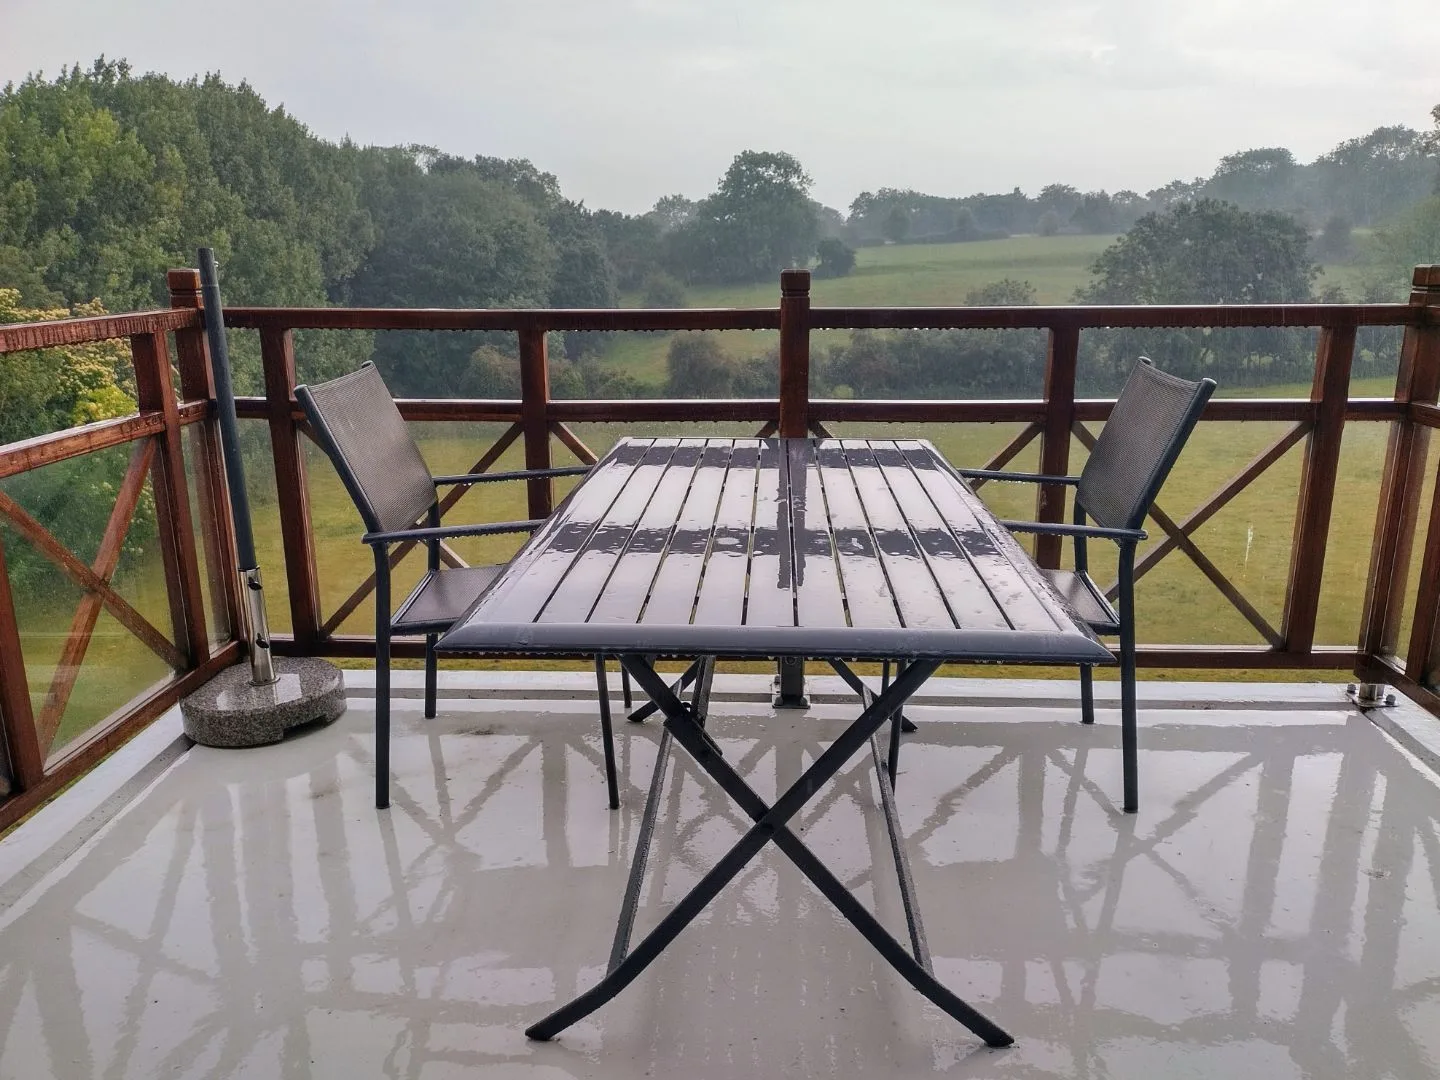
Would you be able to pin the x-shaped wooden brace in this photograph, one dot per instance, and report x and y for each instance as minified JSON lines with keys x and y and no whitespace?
{"x":685,"y":724}
{"x":95,"y":581}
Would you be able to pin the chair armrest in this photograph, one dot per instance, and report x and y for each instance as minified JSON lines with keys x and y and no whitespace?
{"x":1016,"y":477}
{"x":518,"y":474}
{"x":444,"y":532}
{"x":1055,"y":528}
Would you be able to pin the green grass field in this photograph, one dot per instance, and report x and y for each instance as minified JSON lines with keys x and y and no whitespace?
{"x":1249,"y":540}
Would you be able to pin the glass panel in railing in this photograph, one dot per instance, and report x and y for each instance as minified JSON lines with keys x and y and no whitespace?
{"x":1241,"y":558}
{"x":1401,"y":644}
{"x":946,"y":365}
{"x":212,"y":571}
{"x":433,"y":364}
{"x":324,"y":354}
{"x":1350,"y":541}
{"x":675,"y":364}
{"x":1265,"y":361}
{"x":82,"y":661}
{"x":265,"y":521}
{"x":247,"y":375}
{"x":1377,"y":359}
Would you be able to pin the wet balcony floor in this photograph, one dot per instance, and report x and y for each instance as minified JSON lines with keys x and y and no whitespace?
{"x":1270,"y":913}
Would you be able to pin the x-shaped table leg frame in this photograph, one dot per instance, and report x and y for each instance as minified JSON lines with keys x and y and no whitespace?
{"x":686,"y":726}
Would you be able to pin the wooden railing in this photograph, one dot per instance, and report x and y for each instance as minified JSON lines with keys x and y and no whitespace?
{"x":537,"y":421}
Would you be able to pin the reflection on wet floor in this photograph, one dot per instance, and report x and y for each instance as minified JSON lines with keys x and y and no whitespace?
{"x":1271,"y":912}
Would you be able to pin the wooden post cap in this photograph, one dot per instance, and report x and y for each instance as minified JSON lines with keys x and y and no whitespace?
{"x":794,"y":282}
{"x":184,"y":287}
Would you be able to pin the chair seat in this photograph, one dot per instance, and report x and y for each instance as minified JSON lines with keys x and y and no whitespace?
{"x":442,"y":597}
{"x":1082,"y":594}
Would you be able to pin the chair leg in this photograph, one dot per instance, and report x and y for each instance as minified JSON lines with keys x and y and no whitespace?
{"x":625,"y":688}
{"x":382,"y":678}
{"x":382,"y":715}
{"x":1129,"y":751}
{"x":607,"y":732}
{"x":1087,"y":694}
{"x":430,"y":675}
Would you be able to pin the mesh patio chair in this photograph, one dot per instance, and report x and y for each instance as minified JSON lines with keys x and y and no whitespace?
{"x":356,"y":422}
{"x":1141,"y":440}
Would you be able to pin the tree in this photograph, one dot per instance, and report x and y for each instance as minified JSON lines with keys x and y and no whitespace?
{"x":836,"y":258}
{"x":1432,"y":140}
{"x":897,"y":225}
{"x":697,"y":366}
{"x":1061,"y":198}
{"x":451,"y":240}
{"x":1205,"y":252}
{"x":1334,"y":244}
{"x":1261,"y":179}
{"x":1094,"y":214}
{"x":1049,"y":223}
{"x":632,"y":246}
{"x":1376,"y":176}
{"x":966,"y":226}
{"x":660,"y":290}
{"x":759,"y":221}
{"x":671,"y":212}
{"x":1007,"y":292}
{"x":1401,"y":244}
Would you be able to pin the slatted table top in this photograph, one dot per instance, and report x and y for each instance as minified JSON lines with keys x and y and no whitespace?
{"x":844,"y":548}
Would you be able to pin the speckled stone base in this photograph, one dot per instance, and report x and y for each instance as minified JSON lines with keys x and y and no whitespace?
{"x":229,"y":711}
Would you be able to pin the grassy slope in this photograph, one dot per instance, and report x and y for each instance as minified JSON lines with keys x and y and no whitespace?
{"x":1249,"y":540}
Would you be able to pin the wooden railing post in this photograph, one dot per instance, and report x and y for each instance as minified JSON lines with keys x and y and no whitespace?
{"x":176,"y":529}
{"x":794,"y":354}
{"x":1061,"y":359}
{"x":1329,"y":393}
{"x":1418,"y":380}
{"x":535,"y":416}
{"x":197,"y":384}
{"x":277,"y":353}
{"x":17,"y":715}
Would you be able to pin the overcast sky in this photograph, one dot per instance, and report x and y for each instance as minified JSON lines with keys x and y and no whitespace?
{"x":628,"y":100}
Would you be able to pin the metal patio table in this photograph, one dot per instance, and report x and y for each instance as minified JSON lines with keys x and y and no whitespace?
{"x":829,"y":549}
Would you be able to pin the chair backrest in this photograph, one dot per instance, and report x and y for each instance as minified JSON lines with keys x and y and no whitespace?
{"x":1147,"y":429}
{"x":357,"y":424}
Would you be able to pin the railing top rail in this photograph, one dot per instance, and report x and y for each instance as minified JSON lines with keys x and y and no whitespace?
{"x":1140,"y":316}
{"x":45,"y":335}
{"x":1097,"y":317}
{"x":518,"y":319}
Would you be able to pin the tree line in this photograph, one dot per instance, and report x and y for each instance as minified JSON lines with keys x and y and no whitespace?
{"x":108,"y":178}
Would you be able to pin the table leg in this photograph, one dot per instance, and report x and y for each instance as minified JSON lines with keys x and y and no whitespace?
{"x":770,"y":825}
{"x":700,"y":703}
{"x":649,"y":709}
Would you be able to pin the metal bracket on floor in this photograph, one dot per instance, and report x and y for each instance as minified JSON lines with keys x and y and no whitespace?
{"x":790,"y":684}
{"x":1369,"y":695}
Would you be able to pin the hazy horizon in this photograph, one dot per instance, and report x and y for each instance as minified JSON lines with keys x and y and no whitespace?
{"x":628,"y":101}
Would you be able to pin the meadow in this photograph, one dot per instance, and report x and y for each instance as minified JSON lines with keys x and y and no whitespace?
{"x":1249,"y":540}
